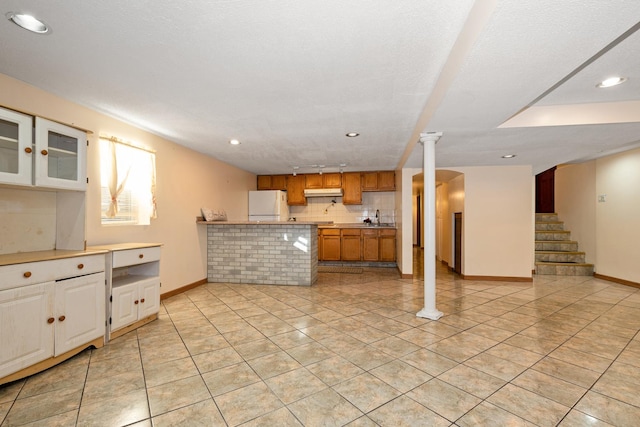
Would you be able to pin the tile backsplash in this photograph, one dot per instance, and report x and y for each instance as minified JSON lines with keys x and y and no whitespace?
{"x":322,"y":209}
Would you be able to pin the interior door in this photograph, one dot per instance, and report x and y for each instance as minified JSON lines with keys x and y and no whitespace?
{"x":545,"y":191}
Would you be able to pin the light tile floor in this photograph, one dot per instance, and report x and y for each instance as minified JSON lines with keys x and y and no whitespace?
{"x":350,"y":351}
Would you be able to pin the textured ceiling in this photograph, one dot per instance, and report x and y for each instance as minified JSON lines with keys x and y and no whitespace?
{"x":289,"y":78}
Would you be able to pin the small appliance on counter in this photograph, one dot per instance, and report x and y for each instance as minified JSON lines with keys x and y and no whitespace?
{"x":268,"y":205}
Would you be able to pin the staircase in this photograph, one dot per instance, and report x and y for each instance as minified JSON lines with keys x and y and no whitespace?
{"x":556,"y":253}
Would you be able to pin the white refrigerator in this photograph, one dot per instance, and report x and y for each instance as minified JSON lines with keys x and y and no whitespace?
{"x":268,"y":205}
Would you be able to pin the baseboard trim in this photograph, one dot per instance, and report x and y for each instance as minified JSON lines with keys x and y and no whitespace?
{"x":182,"y":289}
{"x":616,"y":280}
{"x":497,"y":278}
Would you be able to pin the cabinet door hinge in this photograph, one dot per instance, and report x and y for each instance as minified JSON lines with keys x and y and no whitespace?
{"x":87,"y":142}
{"x":110,"y":298}
{"x":109,"y":320}
{"x":87,"y":180}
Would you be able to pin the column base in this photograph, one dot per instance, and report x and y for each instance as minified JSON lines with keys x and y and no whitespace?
{"x":432,"y":314}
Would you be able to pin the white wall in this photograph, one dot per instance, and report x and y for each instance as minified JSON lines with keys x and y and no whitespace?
{"x":618,"y":218}
{"x":575,"y":200}
{"x":186,"y":181}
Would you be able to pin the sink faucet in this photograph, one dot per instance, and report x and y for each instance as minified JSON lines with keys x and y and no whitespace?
{"x":378,"y":216}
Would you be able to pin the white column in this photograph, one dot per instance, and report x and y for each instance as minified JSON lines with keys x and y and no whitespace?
{"x":429,"y":140}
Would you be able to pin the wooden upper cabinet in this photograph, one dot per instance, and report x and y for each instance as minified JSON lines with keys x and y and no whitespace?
{"x":379,"y":181}
{"x":370,"y":181}
{"x":272,"y":182}
{"x":279,"y":182}
{"x":386,"y":181}
{"x":352,"y":188}
{"x":295,"y":190}
{"x":264,"y":182}
{"x":332,"y":180}
{"x":313,"y":181}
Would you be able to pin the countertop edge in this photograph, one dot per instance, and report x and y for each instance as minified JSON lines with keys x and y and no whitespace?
{"x":53,"y":254}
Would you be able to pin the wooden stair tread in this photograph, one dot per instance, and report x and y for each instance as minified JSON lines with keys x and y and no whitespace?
{"x":577,"y":264}
{"x":562,"y":252}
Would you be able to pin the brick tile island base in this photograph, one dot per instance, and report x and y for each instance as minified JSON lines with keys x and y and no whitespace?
{"x":269,"y":253}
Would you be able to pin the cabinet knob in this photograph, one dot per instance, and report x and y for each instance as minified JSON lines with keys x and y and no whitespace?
{"x":141,"y":256}
{"x":142,"y":300}
{"x":44,"y":152}
{"x":27,"y":274}
{"x":28,"y":150}
{"x":61,"y":318}
{"x":50,"y":320}
{"x":80,"y":266}
{"x":135,"y":302}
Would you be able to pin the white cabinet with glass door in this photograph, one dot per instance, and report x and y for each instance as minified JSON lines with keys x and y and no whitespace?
{"x":60,"y":156}
{"x":16,"y":136}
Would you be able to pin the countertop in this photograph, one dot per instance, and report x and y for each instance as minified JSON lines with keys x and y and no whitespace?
{"x":356,"y":225}
{"x":23,"y":257}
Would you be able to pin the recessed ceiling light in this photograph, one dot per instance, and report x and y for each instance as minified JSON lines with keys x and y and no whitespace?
{"x":28,"y":22}
{"x":234,"y":142}
{"x":352,"y":134}
{"x":611,"y":81}
{"x":508,"y":156}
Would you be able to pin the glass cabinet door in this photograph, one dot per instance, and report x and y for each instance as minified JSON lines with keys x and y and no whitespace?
{"x":15,"y":147}
{"x":60,"y":156}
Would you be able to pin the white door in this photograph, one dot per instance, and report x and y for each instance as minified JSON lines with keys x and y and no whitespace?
{"x":124,"y":307}
{"x":26,"y":326}
{"x":149,"y":294}
{"x":79,"y":311}
{"x":60,"y":156}
{"x":15,"y":148}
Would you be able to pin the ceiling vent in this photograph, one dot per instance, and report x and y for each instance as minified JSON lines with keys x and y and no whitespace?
{"x":323,"y":192}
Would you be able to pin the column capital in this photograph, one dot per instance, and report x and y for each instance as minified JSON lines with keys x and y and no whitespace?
{"x":430,"y":136}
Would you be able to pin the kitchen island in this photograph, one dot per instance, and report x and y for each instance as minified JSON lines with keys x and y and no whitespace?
{"x":275,"y":253}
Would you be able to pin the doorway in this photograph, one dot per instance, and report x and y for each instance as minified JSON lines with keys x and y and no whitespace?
{"x":457,"y":242}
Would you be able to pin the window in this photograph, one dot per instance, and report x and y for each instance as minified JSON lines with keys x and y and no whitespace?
{"x":128,"y":181}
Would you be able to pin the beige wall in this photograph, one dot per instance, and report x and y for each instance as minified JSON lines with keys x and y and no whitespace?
{"x":497,"y":220}
{"x":575,"y":200}
{"x":186,"y":181}
{"x":618,"y":218}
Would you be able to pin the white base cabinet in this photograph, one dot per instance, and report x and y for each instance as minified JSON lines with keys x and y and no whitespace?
{"x":133,"y":286}
{"x":134,"y":301}
{"x":45,"y":320}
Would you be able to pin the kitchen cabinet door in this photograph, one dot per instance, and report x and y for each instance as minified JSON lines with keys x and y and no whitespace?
{"x":279,"y":182}
{"x":386,"y":181}
{"x":351,"y":245}
{"x":149,"y":294}
{"x":26,"y":326}
{"x":79,"y":311}
{"x":330,"y":245}
{"x":352,"y":188}
{"x":295,"y":191}
{"x":370,"y":249}
{"x":370,"y":181}
{"x":60,"y":156}
{"x":124,"y":310}
{"x":332,"y":180}
{"x":387,"y":245}
{"x":264,"y":182}
{"x":15,"y":148}
{"x":313,"y":181}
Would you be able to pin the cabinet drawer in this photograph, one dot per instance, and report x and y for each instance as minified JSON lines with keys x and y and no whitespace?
{"x":29,"y":273}
{"x":330,"y":231}
{"x":135,"y":256}
{"x":351,"y":232}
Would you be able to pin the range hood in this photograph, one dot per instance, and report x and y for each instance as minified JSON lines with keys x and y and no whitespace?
{"x":323,"y":192}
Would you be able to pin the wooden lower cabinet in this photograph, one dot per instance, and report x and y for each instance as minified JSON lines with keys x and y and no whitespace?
{"x":370,"y":245}
{"x":329,"y":245}
{"x":387,"y":245}
{"x":357,"y":244}
{"x":350,"y":244}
